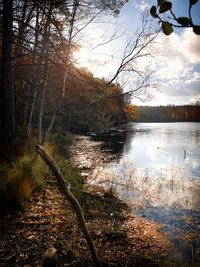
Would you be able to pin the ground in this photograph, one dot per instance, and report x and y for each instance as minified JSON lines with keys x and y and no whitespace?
{"x":47,"y":220}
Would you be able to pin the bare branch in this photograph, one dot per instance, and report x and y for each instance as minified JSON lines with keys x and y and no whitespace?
{"x":71,"y":198}
{"x":135,"y":50}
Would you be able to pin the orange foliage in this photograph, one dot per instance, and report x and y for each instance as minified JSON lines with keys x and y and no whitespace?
{"x":131,"y":112}
{"x":114,"y":105}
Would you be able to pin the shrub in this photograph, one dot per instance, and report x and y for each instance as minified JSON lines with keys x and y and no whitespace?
{"x":22,"y":176}
{"x":72,"y":176}
{"x":60,"y":142}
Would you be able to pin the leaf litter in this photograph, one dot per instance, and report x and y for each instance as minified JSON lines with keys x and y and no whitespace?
{"x":48,"y":221}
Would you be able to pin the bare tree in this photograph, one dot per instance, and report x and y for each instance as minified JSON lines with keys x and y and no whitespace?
{"x":135,"y":50}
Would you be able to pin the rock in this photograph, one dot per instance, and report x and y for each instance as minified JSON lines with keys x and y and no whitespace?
{"x":92,"y":135}
{"x":50,"y":258}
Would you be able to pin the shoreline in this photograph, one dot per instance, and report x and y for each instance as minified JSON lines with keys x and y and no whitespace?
{"x":122,"y":239}
{"x":86,"y":144}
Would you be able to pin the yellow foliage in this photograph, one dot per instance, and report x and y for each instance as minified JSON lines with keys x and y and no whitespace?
{"x":23,"y":175}
{"x":26,"y":188}
{"x":131,"y":112}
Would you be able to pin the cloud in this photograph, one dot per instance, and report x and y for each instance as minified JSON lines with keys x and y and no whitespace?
{"x":179,"y":52}
{"x":179,"y":56}
{"x":195,"y":99}
{"x":190,"y":46}
{"x":141,"y":5}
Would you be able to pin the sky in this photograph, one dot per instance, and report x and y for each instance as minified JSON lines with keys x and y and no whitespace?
{"x":176,"y":62}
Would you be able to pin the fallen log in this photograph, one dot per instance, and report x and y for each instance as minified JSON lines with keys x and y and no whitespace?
{"x":71,"y":198}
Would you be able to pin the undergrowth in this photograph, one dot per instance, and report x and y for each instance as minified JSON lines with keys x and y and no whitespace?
{"x":28,"y":172}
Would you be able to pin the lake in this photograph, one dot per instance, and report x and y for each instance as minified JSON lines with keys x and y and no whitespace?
{"x":158,"y":174}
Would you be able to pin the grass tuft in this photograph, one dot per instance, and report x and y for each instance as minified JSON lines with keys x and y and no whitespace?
{"x":19,"y":178}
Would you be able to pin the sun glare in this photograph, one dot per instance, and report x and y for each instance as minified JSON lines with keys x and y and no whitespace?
{"x":95,"y":62}
{"x":82,"y":57}
{"x":97,"y":55}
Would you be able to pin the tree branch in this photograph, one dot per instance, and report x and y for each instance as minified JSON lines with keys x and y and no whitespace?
{"x":71,"y":198}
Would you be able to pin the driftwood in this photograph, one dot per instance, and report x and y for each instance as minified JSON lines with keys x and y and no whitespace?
{"x":71,"y":198}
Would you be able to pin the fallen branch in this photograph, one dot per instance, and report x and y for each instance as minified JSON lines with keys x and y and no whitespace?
{"x":73,"y":201}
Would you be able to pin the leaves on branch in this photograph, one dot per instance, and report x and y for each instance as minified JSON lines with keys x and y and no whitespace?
{"x":167,"y":28}
{"x":184,"y":21}
{"x":196,"y":30}
{"x":160,"y":2}
{"x":165,"y":6}
{"x":193,"y":2}
{"x":153,"y":12}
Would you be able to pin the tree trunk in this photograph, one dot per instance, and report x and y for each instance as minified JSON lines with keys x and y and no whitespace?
{"x":57,"y":108}
{"x":42,"y":103}
{"x":44,"y":55}
{"x":33,"y":90}
{"x":29,"y":125}
{"x":7,"y":97}
{"x":73,"y":201}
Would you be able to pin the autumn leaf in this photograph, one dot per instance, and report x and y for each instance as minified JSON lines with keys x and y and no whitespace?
{"x":165,"y":6}
{"x":184,"y":21}
{"x":196,"y":30}
{"x":153,"y":12}
{"x":167,"y":28}
{"x":193,"y":2}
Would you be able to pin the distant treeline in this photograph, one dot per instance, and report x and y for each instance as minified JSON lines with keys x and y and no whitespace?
{"x":169,"y":113}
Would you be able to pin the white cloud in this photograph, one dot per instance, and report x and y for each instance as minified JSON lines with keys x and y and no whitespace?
{"x":180,"y":54}
{"x":195,"y":99}
{"x":141,"y":5}
{"x":190,"y":46}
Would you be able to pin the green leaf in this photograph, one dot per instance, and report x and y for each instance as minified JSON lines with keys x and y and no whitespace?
{"x":160,"y":2}
{"x":184,"y":21}
{"x":165,"y":6}
{"x":196,"y":30}
{"x":167,"y":28}
{"x":193,"y":2}
{"x":153,"y":12}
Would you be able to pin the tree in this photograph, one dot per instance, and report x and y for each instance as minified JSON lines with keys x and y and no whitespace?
{"x":131,"y":112}
{"x":174,"y":21}
{"x":45,"y":34}
{"x":7,"y":118}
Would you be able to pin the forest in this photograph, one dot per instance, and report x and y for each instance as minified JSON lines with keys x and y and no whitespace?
{"x":40,"y":81}
{"x":171,"y":113}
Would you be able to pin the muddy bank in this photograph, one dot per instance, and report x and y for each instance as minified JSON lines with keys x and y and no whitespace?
{"x":87,"y":154}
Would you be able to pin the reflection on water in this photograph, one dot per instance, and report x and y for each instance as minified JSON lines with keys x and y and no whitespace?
{"x":159,"y":174}
{"x":165,"y":145}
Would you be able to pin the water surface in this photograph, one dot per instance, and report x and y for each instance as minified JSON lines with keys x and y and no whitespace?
{"x":158,"y":174}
